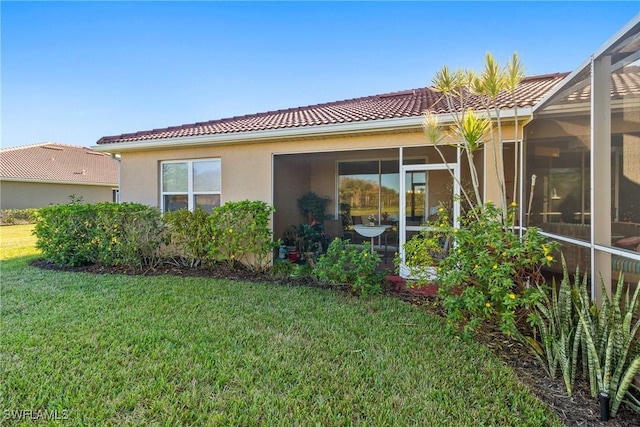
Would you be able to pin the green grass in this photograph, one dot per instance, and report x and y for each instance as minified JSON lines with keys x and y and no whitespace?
{"x":17,"y":241}
{"x":120,"y":350}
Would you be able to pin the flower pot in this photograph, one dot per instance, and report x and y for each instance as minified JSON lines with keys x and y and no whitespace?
{"x":294,"y":256}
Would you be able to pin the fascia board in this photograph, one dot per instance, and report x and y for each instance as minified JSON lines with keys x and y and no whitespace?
{"x":523,"y":113}
{"x":264,"y":135}
{"x":339,"y":129}
{"x":43,"y":181}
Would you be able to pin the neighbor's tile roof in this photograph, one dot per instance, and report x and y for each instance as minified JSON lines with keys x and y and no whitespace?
{"x":59,"y":163}
{"x":409,"y":103}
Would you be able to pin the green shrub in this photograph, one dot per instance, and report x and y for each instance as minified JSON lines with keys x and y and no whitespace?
{"x":190,"y":232}
{"x":67,"y":234}
{"x":240,"y":233}
{"x":490,"y":272}
{"x":18,"y":216}
{"x":423,"y":250}
{"x":346,"y":264}
{"x":126,"y":234}
{"x":282,"y":269}
{"x":130,"y":235}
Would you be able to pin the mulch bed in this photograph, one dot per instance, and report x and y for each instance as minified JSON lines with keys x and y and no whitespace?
{"x":579,"y":410}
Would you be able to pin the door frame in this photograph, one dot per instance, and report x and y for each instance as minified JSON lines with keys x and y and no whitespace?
{"x":403,"y":227}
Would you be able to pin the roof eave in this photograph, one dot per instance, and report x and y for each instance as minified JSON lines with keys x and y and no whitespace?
{"x":335,"y":129}
{"x":44,"y":181}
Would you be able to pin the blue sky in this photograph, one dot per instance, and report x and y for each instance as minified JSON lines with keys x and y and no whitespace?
{"x":73,"y":72}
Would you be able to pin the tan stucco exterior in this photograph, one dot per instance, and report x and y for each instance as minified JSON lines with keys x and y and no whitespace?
{"x":25,"y":195}
{"x":278,"y":172}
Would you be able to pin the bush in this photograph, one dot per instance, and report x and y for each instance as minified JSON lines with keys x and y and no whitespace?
{"x":130,"y":234}
{"x":18,"y":216}
{"x":240,"y":233}
{"x":423,"y":251}
{"x":191,"y":234}
{"x":346,"y":264}
{"x":490,"y":271}
{"x":67,"y":234}
{"x":112,"y":234}
{"x":283,"y":269}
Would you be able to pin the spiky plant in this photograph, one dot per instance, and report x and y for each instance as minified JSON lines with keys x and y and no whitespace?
{"x":557,"y":323}
{"x":610,"y":335}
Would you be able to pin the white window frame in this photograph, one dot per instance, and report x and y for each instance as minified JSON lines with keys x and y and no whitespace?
{"x":190,"y":192}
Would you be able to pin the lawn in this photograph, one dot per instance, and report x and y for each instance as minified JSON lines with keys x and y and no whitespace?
{"x":122,"y":350}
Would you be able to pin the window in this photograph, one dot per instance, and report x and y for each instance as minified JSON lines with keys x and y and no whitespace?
{"x":370,"y":188}
{"x":191,"y":183}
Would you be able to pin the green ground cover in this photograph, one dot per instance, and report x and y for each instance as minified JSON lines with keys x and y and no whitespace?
{"x":125,"y":350}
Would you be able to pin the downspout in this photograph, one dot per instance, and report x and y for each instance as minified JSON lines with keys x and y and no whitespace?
{"x":115,"y":158}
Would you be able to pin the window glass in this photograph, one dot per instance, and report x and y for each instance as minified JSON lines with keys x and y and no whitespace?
{"x":175,"y":177}
{"x":370,"y":188}
{"x":207,"y":201}
{"x":174,"y":202}
{"x":206,"y":175}
{"x":190,"y":184}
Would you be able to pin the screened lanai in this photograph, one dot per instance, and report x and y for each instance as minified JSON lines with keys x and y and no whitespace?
{"x":582,"y":163}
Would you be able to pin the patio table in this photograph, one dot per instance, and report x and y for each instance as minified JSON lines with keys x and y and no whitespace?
{"x":371,"y":231}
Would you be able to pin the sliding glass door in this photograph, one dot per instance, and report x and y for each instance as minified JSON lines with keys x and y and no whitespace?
{"x":370,"y":188}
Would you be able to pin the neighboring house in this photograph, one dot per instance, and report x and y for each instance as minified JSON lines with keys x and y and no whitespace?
{"x":371,"y":153}
{"x":38,"y":175}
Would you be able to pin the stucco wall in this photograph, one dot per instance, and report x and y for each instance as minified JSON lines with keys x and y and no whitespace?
{"x":24,"y":195}
{"x":246,"y":168}
{"x":247,"y":171}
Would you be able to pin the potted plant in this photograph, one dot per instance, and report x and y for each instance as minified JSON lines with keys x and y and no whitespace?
{"x":290,"y":240}
{"x":372,"y":220}
{"x":314,"y":207}
{"x":310,"y":241}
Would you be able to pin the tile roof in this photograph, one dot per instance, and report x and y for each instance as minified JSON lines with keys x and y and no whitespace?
{"x":58,"y":163}
{"x":409,"y":103}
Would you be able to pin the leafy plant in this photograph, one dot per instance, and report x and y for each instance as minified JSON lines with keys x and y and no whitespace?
{"x":240,"y":233}
{"x":422,"y":251}
{"x":345,"y":215}
{"x":489,"y":271}
{"x":313,"y":207}
{"x":282,"y":269}
{"x":310,"y":240}
{"x":67,"y":234}
{"x":125,"y":234}
{"x":555,"y":320}
{"x":611,"y":337}
{"x":348,"y":264}
{"x":190,"y":232}
{"x":129,"y":234}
